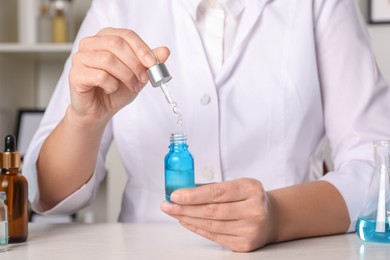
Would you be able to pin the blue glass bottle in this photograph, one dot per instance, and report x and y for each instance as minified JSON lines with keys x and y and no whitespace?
{"x":179,"y":165}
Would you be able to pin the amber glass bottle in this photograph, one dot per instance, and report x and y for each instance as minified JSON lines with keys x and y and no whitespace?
{"x":16,"y":187}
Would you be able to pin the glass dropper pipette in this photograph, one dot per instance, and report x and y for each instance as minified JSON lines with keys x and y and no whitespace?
{"x":159,"y":76}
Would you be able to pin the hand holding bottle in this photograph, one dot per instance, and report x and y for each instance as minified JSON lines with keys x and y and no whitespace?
{"x":108,"y":72}
{"x":234,"y":213}
{"x":241,"y":216}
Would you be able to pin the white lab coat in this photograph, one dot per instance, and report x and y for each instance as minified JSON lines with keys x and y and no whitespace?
{"x":299,"y":70}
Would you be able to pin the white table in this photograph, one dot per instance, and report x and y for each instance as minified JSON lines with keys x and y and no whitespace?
{"x":171,"y":241}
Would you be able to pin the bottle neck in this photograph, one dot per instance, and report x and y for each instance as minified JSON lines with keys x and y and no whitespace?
{"x":9,"y":160}
{"x":10,"y":171}
{"x":382,"y":153}
{"x":178,"y":141}
{"x":178,"y":147}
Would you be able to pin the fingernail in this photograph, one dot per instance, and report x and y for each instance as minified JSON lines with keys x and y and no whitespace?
{"x":150,"y":60}
{"x":175,"y":196}
{"x":166,"y":206}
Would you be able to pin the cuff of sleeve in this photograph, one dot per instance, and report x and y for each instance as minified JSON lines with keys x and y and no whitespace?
{"x":68,"y":205}
{"x":352,"y":181}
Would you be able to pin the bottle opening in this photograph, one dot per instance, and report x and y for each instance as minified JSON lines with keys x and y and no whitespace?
{"x":178,"y":138}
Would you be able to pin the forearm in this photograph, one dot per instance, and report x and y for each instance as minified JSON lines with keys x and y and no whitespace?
{"x":307,"y":210}
{"x":67,"y":160}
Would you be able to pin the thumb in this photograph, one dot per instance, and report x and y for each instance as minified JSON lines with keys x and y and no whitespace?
{"x":161,"y":54}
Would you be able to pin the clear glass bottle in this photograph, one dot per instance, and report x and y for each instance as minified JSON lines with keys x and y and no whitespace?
{"x":3,"y":223}
{"x":15,"y":186}
{"x":179,"y":165}
{"x":373,"y":222}
{"x":62,"y":21}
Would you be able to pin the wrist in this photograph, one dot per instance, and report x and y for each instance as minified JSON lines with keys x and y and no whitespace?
{"x":88,"y":122}
{"x":274,"y":225}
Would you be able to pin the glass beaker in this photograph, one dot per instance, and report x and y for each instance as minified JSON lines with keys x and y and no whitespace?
{"x":373,"y":223}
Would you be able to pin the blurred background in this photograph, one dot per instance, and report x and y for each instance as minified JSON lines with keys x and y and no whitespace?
{"x":35,"y":41}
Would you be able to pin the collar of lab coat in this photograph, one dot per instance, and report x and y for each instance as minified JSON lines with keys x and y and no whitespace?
{"x":251,"y":14}
{"x":233,"y":6}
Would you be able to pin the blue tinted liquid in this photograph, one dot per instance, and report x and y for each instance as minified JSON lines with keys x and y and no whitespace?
{"x":179,"y":166}
{"x":177,"y":180}
{"x":365,"y":229}
{"x":3,"y":236}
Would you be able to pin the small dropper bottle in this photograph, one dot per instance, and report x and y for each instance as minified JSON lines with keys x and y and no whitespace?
{"x":15,"y":186}
{"x":179,"y":165}
{"x":159,"y":76}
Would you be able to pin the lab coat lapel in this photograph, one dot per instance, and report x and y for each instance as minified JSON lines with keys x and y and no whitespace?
{"x":251,"y":15}
{"x":196,"y":59}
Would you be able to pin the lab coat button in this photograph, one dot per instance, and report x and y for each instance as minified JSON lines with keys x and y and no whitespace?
{"x":205,"y":100}
{"x":207,"y":173}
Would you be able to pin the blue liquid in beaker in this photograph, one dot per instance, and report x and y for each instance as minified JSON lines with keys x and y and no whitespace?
{"x":366,"y":230}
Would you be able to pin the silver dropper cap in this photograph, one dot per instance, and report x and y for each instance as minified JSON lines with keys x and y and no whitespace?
{"x":158,"y":74}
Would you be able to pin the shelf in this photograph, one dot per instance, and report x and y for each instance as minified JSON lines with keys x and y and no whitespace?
{"x":36,"y":48}
{"x":40,"y":52}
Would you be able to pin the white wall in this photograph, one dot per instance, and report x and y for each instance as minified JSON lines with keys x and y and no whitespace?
{"x":380,"y":39}
{"x":8,"y":31}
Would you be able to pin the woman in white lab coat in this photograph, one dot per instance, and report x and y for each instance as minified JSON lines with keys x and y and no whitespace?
{"x":260,"y":83}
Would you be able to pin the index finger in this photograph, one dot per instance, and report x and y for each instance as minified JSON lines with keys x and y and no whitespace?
{"x":229,"y":191}
{"x":143,"y":52}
